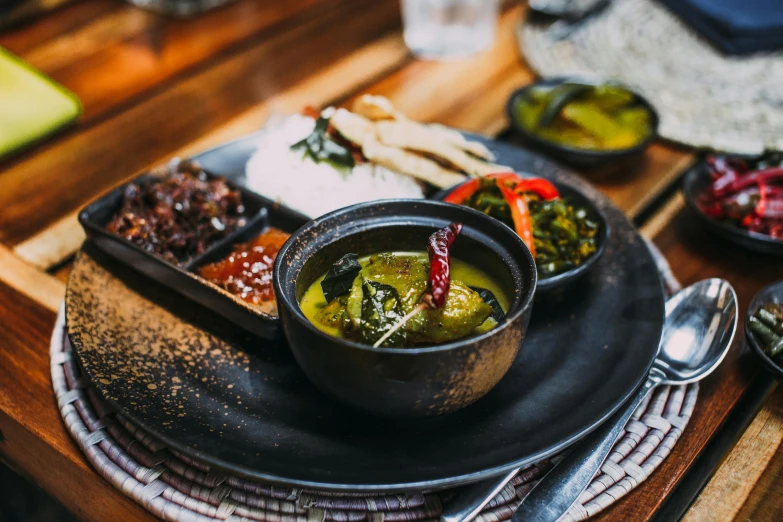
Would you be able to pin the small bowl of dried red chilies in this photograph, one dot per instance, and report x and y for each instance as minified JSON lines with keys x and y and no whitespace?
{"x":564,"y":230}
{"x":740,"y":198}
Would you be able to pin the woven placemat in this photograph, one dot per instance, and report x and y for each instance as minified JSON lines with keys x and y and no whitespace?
{"x":705,"y":98}
{"x":174,"y":487}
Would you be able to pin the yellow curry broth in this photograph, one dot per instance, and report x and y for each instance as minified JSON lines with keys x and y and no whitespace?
{"x":316,"y":309}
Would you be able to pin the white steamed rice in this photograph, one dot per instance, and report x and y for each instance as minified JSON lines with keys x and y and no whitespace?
{"x":277,"y":172}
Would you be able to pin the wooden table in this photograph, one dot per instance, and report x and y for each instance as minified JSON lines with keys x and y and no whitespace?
{"x":154,"y":88}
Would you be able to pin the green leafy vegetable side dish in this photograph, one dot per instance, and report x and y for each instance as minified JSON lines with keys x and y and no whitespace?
{"x":320,"y":147}
{"x":564,"y":235}
{"x":767,"y":324}
{"x":340,"y":277}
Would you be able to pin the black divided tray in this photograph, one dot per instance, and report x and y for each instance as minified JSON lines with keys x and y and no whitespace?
{"x":261,"y":213}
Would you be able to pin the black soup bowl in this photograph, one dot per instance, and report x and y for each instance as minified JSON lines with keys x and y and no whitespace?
{"x":404,"y":382}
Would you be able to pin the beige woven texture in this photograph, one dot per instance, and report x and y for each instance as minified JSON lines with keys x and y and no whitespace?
{"x":175,"y":487}
{"x":705,"y":99}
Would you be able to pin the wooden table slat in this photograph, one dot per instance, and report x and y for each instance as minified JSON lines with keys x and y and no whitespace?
{"x":728,"y":492}
{"x":44,"y":187}
{"x":128,"y":51}
{"x":28,"y":34}
{"x":23,"y":277}
{"x":34,"y":439}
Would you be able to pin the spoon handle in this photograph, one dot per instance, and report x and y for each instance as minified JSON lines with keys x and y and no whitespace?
{"x":560,"y":488}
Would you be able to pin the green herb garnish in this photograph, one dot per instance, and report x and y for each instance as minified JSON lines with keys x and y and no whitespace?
{"x":381,"y":310}
{"x":319,"y":147}
{"x":340,"y":277}
{"x":497,"y":311}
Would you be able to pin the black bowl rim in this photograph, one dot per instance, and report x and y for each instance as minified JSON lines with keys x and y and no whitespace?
{"x":774,"y":289}
{"x":525,"y":301}
{"x":563,"y":278}
{"x":691,"y":178}
{"x":586,"y":153}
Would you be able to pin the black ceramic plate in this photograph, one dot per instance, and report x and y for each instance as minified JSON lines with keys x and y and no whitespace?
{"x":769,"y":294}
{"x":240,"y":403}
{"x":697,"y":180}
{"x":579,"y":200}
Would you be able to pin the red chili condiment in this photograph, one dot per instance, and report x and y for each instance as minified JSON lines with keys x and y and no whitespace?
{"x":247,"y":271}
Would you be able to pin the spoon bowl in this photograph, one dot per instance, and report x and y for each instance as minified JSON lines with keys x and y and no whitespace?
{"x":700,"y":324}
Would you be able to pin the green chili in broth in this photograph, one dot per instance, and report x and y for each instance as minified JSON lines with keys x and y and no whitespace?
{"x":396,"y":283}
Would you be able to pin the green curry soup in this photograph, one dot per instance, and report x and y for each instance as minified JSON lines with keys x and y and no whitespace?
{"x":389,"y":286}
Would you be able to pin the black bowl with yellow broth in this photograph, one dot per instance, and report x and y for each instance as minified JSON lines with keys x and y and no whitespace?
{"x":569,"y":152}
{"x":420,"y":380}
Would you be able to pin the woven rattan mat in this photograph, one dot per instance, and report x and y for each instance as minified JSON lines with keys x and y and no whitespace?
{"x":175,"y":487}
{"x":705,"y":98}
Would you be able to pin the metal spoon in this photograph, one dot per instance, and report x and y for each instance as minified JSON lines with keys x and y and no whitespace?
{"x":700,"y":324}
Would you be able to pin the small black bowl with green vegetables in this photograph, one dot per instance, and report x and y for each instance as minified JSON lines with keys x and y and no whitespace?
{"x":764,"y":327}
{"x":569,"y":232}
{"x":583,"y":121}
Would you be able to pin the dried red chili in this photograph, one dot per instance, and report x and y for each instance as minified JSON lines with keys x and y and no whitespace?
{"x":746,"y":192}
{"x":439,"y":249}
{"x":770,"y":175}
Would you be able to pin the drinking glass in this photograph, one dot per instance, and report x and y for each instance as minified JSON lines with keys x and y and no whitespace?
{"x":448,"y":29}
{"x":181,"y":8}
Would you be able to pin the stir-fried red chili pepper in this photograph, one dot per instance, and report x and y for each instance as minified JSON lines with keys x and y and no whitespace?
{"x":748,"y":193}
{"x":518,"y":184}
{"x":463,"y":192}
{"x":520,"y":215}
{"x":439,"y":249}
{"x":538,"y":186}
{"x":513,"y":188}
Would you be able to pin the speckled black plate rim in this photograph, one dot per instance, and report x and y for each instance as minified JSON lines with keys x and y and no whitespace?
{"x":694,"y":177}
{"x":422,"y":486}
{"x":588,"y":153}
{"x":774,"y":293}
{"x":602,"y":202}
{"x":252,"y":474}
